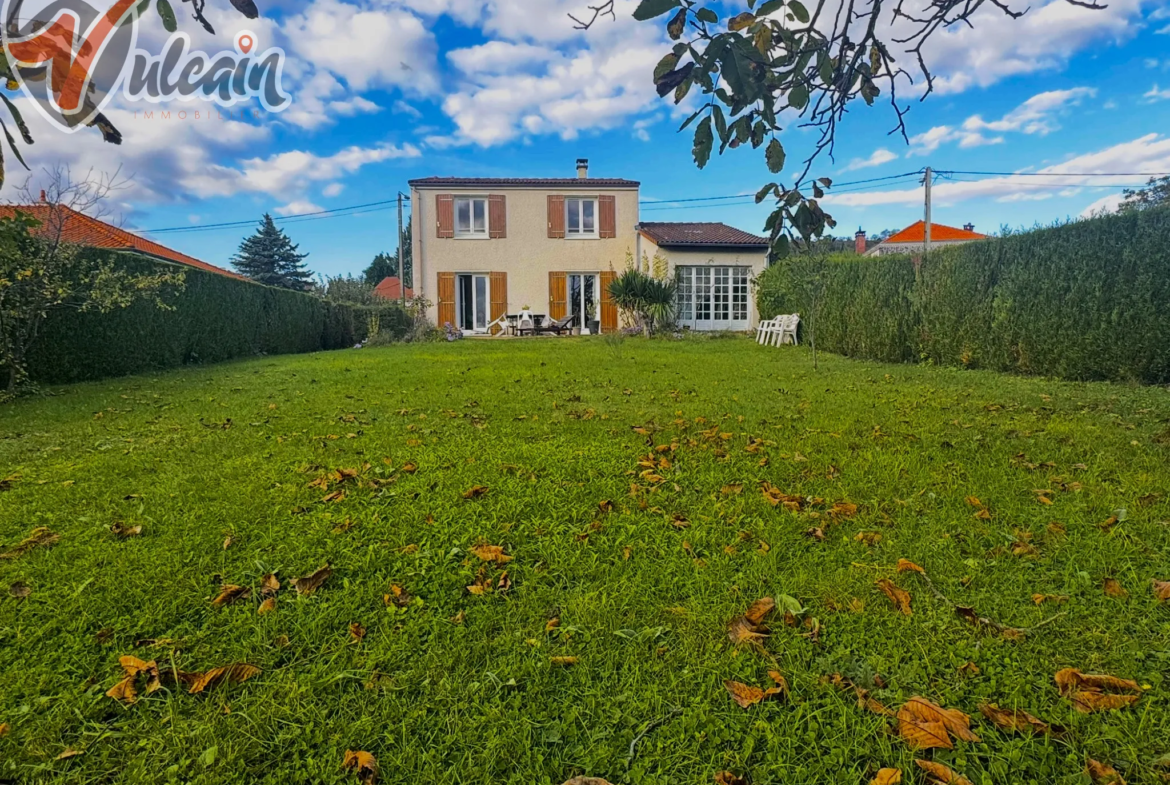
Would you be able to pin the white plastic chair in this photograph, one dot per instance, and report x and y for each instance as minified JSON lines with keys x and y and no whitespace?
{"x":764,"y":331}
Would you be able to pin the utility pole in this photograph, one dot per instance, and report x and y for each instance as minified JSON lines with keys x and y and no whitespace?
{"x":402,"y":259}
{"x":926,"y":247}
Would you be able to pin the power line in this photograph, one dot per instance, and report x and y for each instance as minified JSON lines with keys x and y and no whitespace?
{"x":1060,"y":174}
{"x":835,"y":188}
{"x":336,"y":212}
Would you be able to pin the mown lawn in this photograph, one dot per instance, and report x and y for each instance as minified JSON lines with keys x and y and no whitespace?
{"x":226,"y":469}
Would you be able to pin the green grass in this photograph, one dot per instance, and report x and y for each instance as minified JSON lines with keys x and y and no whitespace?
{"x":546,"y":425}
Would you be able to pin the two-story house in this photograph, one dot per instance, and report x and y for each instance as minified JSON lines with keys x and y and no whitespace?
{"x":486,"y":247}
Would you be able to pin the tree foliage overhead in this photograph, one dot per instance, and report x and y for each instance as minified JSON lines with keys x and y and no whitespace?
{"x":782,"y":61}
{"x":1156,"y":193}
{"x":270,"y":258}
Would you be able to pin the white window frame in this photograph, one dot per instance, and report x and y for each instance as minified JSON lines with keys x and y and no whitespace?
{"x":714,"y":296}
{"x":578,"y":234}
{"x":471,"y":233}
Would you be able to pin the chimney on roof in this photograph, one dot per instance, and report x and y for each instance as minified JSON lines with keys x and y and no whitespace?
{"x":969,"y":227}
{"x":43,"y":199}
{"x":859,"y":241}
{"x":582,"y":168}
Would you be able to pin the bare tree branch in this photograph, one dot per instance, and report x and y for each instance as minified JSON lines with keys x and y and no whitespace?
{"x":605,"y":9}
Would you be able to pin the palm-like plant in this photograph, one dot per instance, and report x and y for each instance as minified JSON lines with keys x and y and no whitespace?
{"x":650,"y":300}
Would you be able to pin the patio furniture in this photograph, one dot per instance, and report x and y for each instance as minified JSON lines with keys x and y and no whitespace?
{"x":781,"y":330}
{"x":525,"y":322}
{"x":556,"y":327}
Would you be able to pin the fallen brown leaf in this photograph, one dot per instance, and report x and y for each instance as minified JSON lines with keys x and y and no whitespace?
{"x":475,"y":491}
{"x":565,"y":661}
{"x":746,"y":695}
{"x":759,"y":610}
{"x":815,"y":533}
{"x":1090,"y":692}
{"x":843,"y":510}
{"x":924,"y":724}
{"x":504,"y":583}
{"x":732,"y":489}
{"x":231,"y":674}
{"x":122,"y":531}
{"x":1040,"y":599}
{"x":269,"y":585}
{"x":887,"y":777}
{"x":1102,"y":773}
{"x":1161,"y":590}
{"x":356,"y":632}
{"x":749,"y":628}
{"x":1114,"y":589}
{"x":969,"y":669}
{"x":229,"y":594}
{"x":869,"y":538}
{"x":69,"y":753}
{"x":398,"y":597}
{"x":905,"y":565}
{"x":20,"y":590}
{"x":1014,"y":720}
{"x":40,"y":537}
{"x":941,"y":775}
{"x":483,"y":584}
{"x":728,"y":778}
{"x":4,"y":728}
{"x":586,"y":781}
{"x":307,"y":584}
{"x":492,"y":553}
{"x":605,"y":505}
{"x":363,"y":764}
{"x":268,"y":606}
{"x":900,"y":597}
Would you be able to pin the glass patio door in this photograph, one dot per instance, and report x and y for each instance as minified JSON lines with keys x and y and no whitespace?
{"x":472,"y":293}
{"x":713,"y":298}
{"x":583,"y":296}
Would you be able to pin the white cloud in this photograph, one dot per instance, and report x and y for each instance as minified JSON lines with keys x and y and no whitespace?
{"x":1106,"y":204}
{"x":333,"y":189}
{"x":1034,"y":116}
{"x":1163,"y":30}
{"x":1154,"y":94}
{"x":289,"y":172}
{"x":402,"y":107}
{"x":500,"y":57}
{"x":1149,"y":153}
{"x":877,"y":158}
{"x":298,"y":207}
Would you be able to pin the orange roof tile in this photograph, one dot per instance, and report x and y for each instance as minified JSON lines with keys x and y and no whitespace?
{"x":391,"y":289}
{"x":80,"y":229}
{"x":939,"y":233}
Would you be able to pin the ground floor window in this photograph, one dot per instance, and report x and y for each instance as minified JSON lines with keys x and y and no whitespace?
{"x":713,"y":298}
{"x":472,"y":302}
{"x":583,"y":294}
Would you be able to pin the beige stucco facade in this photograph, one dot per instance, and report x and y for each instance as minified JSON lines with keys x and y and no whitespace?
{"x":526,"y":254}
{"x":676,"y":257}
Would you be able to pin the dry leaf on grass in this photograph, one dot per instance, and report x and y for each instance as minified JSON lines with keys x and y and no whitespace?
{"x":69,"y":753}
{"x":229,"y":594}
{"x":504,"y":583}
{"x":398,"y":597}
{"x":122,"y":531}
{"x":746,"y":695}
{"x":564,"y":661}
{"x":1015,"y":720}
{"x":732,"y":490}
{"x":586,"y":781}
{"x":4,"y":728}
{"x":843,"y":510}
{"x":268,"y":606}
{"x":1091,"y":692}
{"x":900,"y":597}
{"x":869,"y":538}
{"x":749,"y":628}
{"x":1162,"y":590}
{"x":925,"y":725}
{"x":307,"y":584}
{"x":1114,"y":589}
{"x":20,"y":590}
{"x":887,"y":777}
{"x":605,"y":505}
{"x":905,"y":565}
{"x":230,"y":674}
{"x":475,"y":491}
{"x":1040,"y":599}
{"x":729,"y":778}
{"x":1102,"y":773}
{"x":39,"y":537}
{"x":941,"y":775}
{"x":269,"y":585}
{"x":356,"y":632}
{"x":483,"y":584}
{"x":363,"y":764}
{"x":492,"y":553}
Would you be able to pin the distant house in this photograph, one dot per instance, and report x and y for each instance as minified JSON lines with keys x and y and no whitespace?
{"x":390,"y":288}
{"x":80,"y":229}
{"x":484,"y":248}
{"x":913,"y":239}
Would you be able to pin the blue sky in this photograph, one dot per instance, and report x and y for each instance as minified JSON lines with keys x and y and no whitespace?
{"x":386,"y":90}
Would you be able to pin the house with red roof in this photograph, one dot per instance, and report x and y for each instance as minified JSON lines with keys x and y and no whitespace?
{"x":78,"y":228}
{"x":390,"y":288}
{"x":913,"y":239}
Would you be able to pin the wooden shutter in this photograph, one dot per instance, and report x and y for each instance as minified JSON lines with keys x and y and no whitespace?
{"x":609,"y":313}
{"x":499,"y":287}
{"x":446,"y":299}
{"x":497,"y":217}
{"x":557,"y":288}
{"x":608,"y":224}
{"x":445,"y":218}
{"x":556,"y":218}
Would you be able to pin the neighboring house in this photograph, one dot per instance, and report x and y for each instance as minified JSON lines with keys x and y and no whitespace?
{"x":715,"y":266}
{"x":913,"y":239}
{"x":390,"y":288}
{"x":486,"y":247}
{"x":80,"y":229}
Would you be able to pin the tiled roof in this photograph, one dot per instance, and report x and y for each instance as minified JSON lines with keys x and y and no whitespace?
{"x":592,"y":183}
{"x":700,"y":234}
{"x":391,"y":289}
{"x":939,"y":233}
{"x":80,"y":229}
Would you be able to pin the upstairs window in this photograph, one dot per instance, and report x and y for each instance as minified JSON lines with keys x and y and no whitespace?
{"x":580,"y":217}
{"x":471,"y":216}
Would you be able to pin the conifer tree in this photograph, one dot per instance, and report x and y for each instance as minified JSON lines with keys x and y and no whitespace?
{"x":270,"y":258}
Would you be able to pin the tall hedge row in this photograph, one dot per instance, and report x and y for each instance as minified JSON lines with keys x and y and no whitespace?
{"x":214,"y":318}
{"x":1088,"y":300}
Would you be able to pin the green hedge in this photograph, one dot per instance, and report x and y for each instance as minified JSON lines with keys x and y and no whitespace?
{"x":214,"y":318}
{"x":1087,"y":300}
